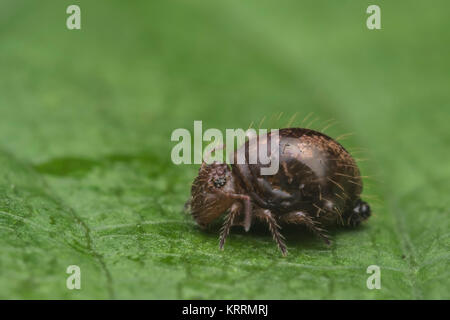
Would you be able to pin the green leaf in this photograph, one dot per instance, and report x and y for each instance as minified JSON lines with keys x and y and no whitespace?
{"x":86,"y":118}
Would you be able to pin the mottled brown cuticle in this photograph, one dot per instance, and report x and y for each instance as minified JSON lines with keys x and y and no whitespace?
{"x":317,"y":185}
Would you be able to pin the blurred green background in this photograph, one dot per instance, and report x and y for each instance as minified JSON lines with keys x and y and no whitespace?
{"x":86,"y":118}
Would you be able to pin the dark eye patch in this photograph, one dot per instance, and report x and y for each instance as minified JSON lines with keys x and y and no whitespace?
{"x":220,"y":182}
